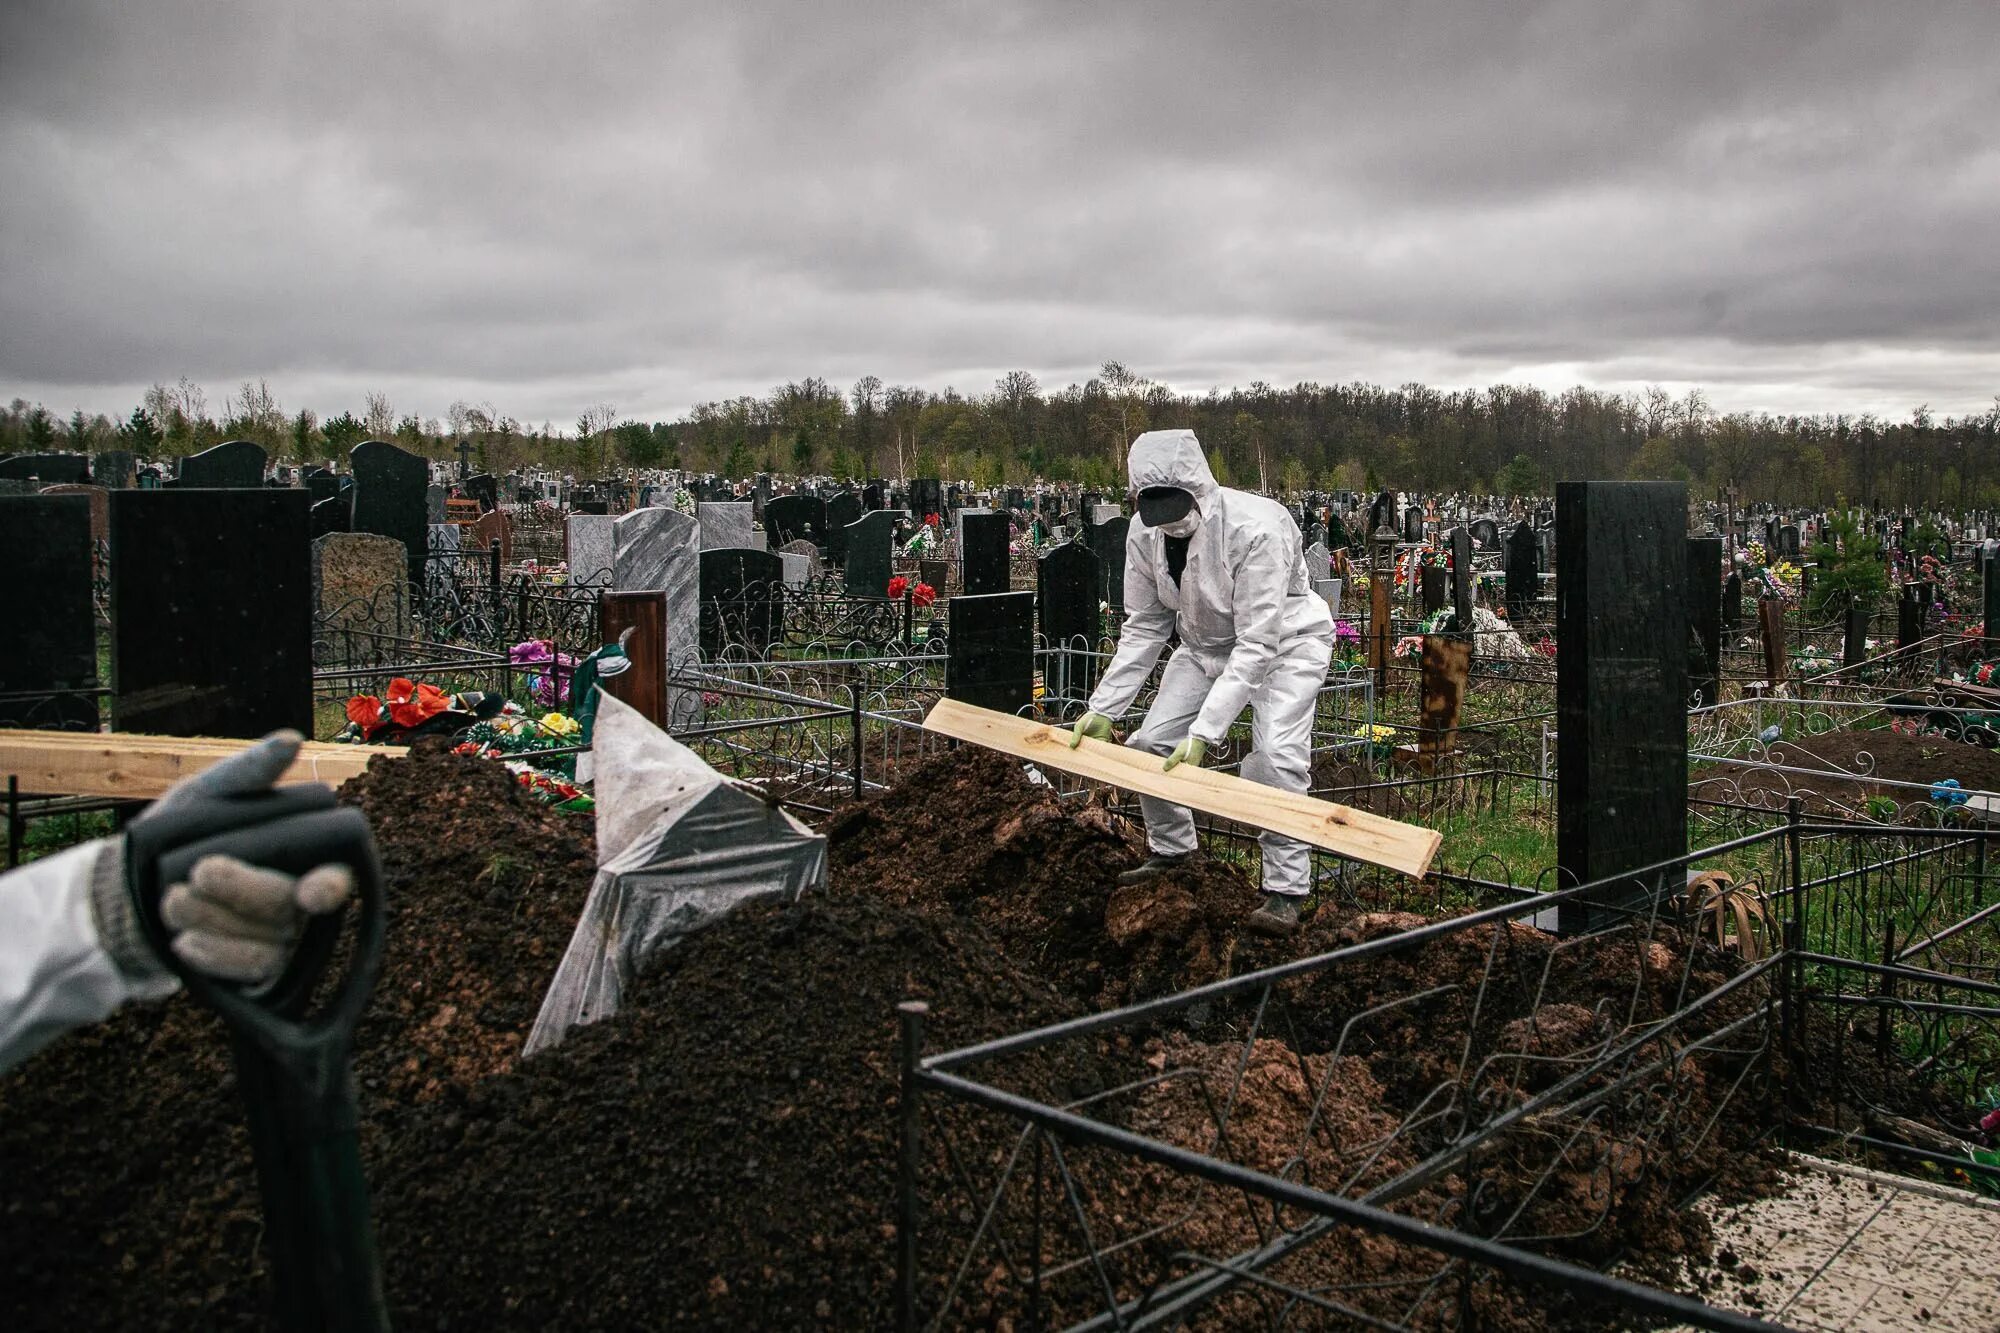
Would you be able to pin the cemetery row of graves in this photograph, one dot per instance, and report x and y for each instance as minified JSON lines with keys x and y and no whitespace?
{"x":1715,"y":782}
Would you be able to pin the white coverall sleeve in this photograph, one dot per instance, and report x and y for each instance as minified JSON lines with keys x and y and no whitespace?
{"x":1149,"y":623}
{"x":1262,"y":581}
{"x":54,"y":972}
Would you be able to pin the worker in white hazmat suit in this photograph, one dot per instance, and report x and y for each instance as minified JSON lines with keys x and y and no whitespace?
{"x":71,"y":947}
{"x":1227,"y":570}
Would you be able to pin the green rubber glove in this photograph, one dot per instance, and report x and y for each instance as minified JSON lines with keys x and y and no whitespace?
{"x":1189,"y":751}
{"x":1094,"y":725}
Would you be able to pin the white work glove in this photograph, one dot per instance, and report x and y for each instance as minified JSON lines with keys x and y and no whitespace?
{"x":234,"y":921}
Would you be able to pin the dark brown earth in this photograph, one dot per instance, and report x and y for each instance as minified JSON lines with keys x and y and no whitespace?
{"x":1871,"y":757}
{"x":721,"y":1153}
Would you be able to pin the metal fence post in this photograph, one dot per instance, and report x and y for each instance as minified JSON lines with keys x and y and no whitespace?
{"x":854,"y":702}
{"x":910,"y":1019}
{"x":1793,"y":973}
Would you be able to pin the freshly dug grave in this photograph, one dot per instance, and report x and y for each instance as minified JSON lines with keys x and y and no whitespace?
{"x":971,"y":833}
{"x":130,"y":1200}
{"x":1845,"y":768}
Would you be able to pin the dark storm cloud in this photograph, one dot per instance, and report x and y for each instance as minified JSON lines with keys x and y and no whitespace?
{"x":547,"y":205}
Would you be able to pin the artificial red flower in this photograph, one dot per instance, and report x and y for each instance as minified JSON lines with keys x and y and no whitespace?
{"x":923,"y":594}
{"x":412,"y":705}
{"x":365,"y":712}
{"x":933,"y":521}
{"x":897,"y":586}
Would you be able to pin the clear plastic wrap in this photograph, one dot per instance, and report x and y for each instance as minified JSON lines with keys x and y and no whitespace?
{"x":678,"y":845}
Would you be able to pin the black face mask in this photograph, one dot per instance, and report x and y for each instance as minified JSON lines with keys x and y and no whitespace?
{"x":1161,"y":505}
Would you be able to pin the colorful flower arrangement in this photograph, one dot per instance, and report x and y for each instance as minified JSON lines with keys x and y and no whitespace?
{"x":1410,"y":647}
{"x":921,"y":595}
{"x":544,"y":687}
{"x":405,"y":704}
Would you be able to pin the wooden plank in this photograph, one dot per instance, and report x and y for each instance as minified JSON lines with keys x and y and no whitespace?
{"x":139,"y":767}
{"x":1338,"y":828}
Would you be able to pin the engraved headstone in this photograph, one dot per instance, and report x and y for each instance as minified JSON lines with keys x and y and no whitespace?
{"x":388,"y":497}
{"x":434,"y":498}
{"x":1524,"y":569}
{"x":1107,"y":543}
{"x":592,"y":549}
{"x":660,"y":550}
{"x":790,"y":518}
{"x":742,"y":600}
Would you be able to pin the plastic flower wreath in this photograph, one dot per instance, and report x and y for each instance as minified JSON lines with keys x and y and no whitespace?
{"x":922,"y":595}
{"x":897,"y":586}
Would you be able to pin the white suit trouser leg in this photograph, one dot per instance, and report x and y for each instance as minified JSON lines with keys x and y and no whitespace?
{"x":1281,"y":725}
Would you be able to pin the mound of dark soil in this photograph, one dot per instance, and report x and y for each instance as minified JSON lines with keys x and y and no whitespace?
{"x":970,"y":832}
{"x":130,"y":1200}
{"x":1845,"y":768}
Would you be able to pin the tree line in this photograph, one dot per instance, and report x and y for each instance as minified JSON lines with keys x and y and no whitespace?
{"x":1507,"y":439}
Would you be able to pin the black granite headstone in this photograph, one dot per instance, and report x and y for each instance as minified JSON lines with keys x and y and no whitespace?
{"x":1909,"y":617}
{"x":1066,"y":582}
{"x":329,"y":515}
{"x":1336,"y":534}
{"x":1486,"y":534}
{"x":1431,"y":581}
{"x":1461,"y":579}
{"x":49,"y":469}
{"x":389,"y":486}
{"x":869,"y":546}
{"x":483,"y":487}
{"x":873,"y":496}
{"x":47,"y":621}
{"x":1704,"y":600}
{"x":1621,"y":690}
{"x":321,"y":484}
{"x":983,"y":563}
{"x":742,"y":600}
{"x":1381,"y":514}
{"x":1107,"y":543}
{"x":114,"y":469}
{"x":1732,"y":601}
{"x":926,"y":497}
{"x":211,"y":608}
{"x":842,"y":512}
{"x":1989,"y":568}
{"x":231,"y":465}
{"x":990,"y":661}
{"x":1524,"y":569}
{"x":1854,"y":644}
{"x":790,"y":518}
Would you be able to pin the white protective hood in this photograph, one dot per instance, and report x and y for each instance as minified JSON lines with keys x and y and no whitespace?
{"x":1171,"y":458}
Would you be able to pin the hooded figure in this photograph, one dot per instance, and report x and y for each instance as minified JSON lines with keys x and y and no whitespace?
{"x":1226,"y":569}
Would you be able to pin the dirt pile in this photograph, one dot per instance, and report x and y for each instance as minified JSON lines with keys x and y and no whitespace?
{"x":971,"y":833}
{"x":130,"y":1199}
{"x":1842,"y":769}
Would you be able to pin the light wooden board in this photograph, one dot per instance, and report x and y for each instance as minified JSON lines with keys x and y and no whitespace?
{"x":123,"y":764}
{"x":1338,"y":828}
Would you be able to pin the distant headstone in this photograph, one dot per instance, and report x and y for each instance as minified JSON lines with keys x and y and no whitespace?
{"x":320,"y":484}
{"x":1413,"y":524}
{"x":1732,"y":601}
{"x":49,"y":469}
{"x":1485,"y":534}
{"x":592,"y":550}
{"x":806,"y":550}
{"x":434,"y":498}
{"x":1621,"y":690}
{"x":926,"y":497}
{"x":483,"y":487}
{"x":388,"y":500}
{"x":1107,"y":542}
{"x":790,"y":518}
{"x":1329,"y":590}
{"x":726,"y":525}
{"x":990,"y":661}
{"x":798,"y":568}
{"x":231,"y":465}
{"x":873,"y":496}
{"x":491,"y":527}
{"x":1432,"y":589}
{"x":115,"y":469}
{"x":1524,"y":569}
{"x":211,"y":609}
{"x":742,"y":600}
{"x":329,"y":515}
{"x":983,"y":554}
{"x":1319,"y":562}
{"x":1067,"y":582}
{"x":47,"y":619}
{"x":360,"y":586}
{"x":1461,"y":579}
{"x":842,"y":512}
{"x":869,"y":560}
{"x":1105,"y":513}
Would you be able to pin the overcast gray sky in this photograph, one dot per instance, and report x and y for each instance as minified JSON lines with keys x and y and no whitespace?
{"x":545,"y":205}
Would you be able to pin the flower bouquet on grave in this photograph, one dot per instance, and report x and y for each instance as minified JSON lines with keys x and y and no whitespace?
{"x":550,"y":671}
{"x":922,"y":595}
{"x":897,"y":587}
{"x":1346,"y":642}
{"x":1410,"y":648}
{"x":519,"y":736}
{"x":408,"y":709}
{"x":1380,"y":740}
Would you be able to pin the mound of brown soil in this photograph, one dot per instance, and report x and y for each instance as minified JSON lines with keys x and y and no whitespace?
{"x":130,"y":1199}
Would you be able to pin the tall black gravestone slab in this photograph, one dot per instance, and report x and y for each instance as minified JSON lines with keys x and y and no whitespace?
{"x":231,"y":465}
{"x":1413,"y":524}
{"x":1732,"y":601}
{"x":873,"y":496}
{"x":1461,"y":579}
{"x":47,"y":621}
{"x":389,"y":486}
{"x":1381,"y":514}
{"x":1336,"y":534}
{"x":211,"y":608}
{"x":1107,"y":543}
{"x":1854,"y":644}
{"x":869,"y":543}
{"x":983,"y":563}
{"x":1431,"y":581}
{"x":1704,"y":600}
{"x":842,"y":512}
{"x":1621,"y":689}
{"x":990,"y":661}
{"x":115,"y":469}
{"x":483,"y":487}
{"x":926,"y":497}
{"x":1066,"y":584}
{"x":1524,"y":570}
{"x":49,"y":469}
{"x":1485,"y":533}
{"x":742,"y":600}
{"x":1909,"y":617}
{"x":791,"y":518}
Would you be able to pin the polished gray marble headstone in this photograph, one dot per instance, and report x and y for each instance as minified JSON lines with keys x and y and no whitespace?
{"x":591,"y":550}
{"x":660,"y":549}
{"x":1319,"y":561}
{"x":726,"y":525}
